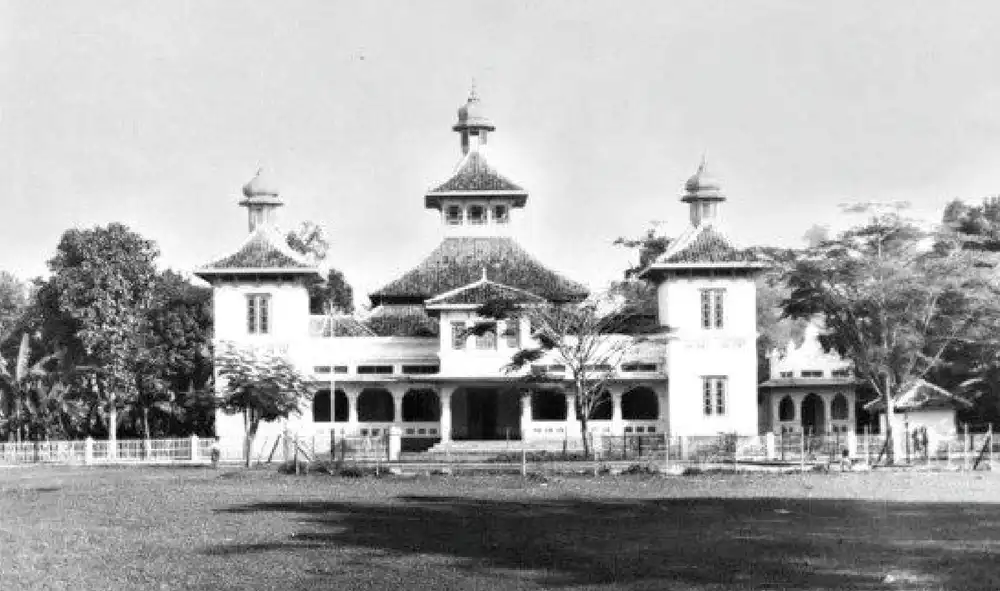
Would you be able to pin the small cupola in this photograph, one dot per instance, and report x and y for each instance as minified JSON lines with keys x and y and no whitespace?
{"x":704,"y":194}
{"x":261,"y":198}
{"x":473,"y":124}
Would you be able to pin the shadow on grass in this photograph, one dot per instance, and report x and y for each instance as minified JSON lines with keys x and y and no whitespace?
{"x":701,"y":542}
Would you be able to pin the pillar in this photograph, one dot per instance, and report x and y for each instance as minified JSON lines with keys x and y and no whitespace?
{"x":617,"y":423}
{"x":397,"y":403}
{"x":572,"y":423}
{"x":352,"y":410}
{"x":88,"y":451}
{"x":444,"y":396}
{"x":395,"y":443}
{"x":770,"y":445}
{"x":194,"y":449}
{"x":525,"y":415}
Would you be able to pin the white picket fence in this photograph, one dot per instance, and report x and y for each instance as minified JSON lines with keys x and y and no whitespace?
{"x":184,"y":450}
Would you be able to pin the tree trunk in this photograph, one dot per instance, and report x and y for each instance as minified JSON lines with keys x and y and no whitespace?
{"x":583,"y":429}
{"x":890,"y":450}
{"x":17,"y":413}
{"x":112,"y":427}
{"x":145,"y":430}
{"x":251,"y":425}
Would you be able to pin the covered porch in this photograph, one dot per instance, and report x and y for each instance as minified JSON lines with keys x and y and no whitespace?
{"x":483,"y":411}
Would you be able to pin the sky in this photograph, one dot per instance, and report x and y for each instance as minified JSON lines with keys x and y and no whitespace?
{"x":156,"y":113}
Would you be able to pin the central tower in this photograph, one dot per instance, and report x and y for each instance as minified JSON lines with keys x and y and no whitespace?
{"x":476,"y":200}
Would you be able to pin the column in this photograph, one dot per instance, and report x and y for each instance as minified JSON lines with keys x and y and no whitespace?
{"x":572,"y":424}
{"x":617,"y":423}
{"x":352,"y":393}
{"x":525,"y":415}
{"x":444,"y":396}
{"x":397,"y":402}
{"x":827,"y":419}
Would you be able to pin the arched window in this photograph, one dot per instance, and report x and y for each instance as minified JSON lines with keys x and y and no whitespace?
{"x":322,"y":407}
{"x":640,"y":404}
{"x":375,"y":405}
{"x":838,"y":409}
{"x":548,"y":405}
{"x":601,"y":410}
{"x":786,"y":409}
{"x":421,"y":405}
{"x":477,"y":215}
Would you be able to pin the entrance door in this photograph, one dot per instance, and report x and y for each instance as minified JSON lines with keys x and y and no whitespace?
{"x":813,"y":415}
{"x":481,"y":413}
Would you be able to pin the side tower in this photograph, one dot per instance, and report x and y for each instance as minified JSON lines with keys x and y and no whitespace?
{"x":259,"y":295}
{"x":708,"y":299}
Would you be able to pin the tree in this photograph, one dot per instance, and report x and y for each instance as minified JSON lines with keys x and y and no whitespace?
{"x":649,"y":247}
{"x":13,"y":302}
{"x":102,"y":288}
{"x":893,"y":308}
{"x":333,"y":294}
{"x":587,"y":338}
{"x":261,"y":385}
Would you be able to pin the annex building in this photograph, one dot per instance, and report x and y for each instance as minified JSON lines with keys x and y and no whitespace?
{"x":445,"y":387}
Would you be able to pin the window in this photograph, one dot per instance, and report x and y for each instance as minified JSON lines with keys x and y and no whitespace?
{"x":458,"y":335}
{"x":421,"y":369}
{"x":786,"y":374}
{"x":838,"y":409}
{"x":512,"y":334}
{"x":500,"y":215}
{"x":487,"y":338}
{"x":258,"y":313}
{"x":712,"y":308}
{"x":714,"y":395}
{"x":374,"y":369}
{"x":639,"y":367}
{"x":453,"y":215}
{"x":786,"y":409}
{"x":477,"y":215}
{"x":330,"y":369}
{"x":841,"y":373}
{"x":812,"y":373}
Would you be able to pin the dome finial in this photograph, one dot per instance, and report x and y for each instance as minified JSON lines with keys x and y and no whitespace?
{"x":473,"y":95}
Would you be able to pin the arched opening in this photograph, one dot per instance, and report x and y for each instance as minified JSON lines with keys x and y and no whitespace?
{"x":548,"y":405}
{"x":813,"y":415}
{"x":786,"y":409}
{"x":375,"y":405}
{"x":640,"y":404}
{"x":601,"y":410}
{"x":838,"y":409}
{"x":421,"y":406}
{"x":325,"y":409}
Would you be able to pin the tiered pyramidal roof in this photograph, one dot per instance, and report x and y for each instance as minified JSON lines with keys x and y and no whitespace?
{"x":460,"y":260}
{"x":705,"y":244}
{"x":264,"y":251}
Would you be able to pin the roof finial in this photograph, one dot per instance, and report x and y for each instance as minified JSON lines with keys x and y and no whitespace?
{"x":704,"y":160}
{"x":473,"y":95}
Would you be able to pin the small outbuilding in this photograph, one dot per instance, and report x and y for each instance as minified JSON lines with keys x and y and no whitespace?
{"x":926,"y":413}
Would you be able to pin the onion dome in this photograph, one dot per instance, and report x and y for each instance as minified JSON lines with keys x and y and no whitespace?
{"x":261,"y":185}
{"x":472,"y":116}
{"x":702,"y":186}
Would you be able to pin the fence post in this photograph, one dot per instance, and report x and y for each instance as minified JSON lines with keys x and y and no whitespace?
{"x":194,"y":449}
{"x":88,"y":451}
{"x":802,"y":452}
{"x":524,"y":462}
{"x":852,"y":444}
{"x":769,"y":446}
{"x":682,"y":443}
{"x":395,"y":443}
{"x":965,"y":446}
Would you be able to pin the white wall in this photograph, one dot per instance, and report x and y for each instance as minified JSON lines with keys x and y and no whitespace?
{"x":694,"y":352}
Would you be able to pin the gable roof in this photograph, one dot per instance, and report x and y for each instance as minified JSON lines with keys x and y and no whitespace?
{"x":340,"y":325}
{"x":474,"y":177}
{"x":263,"y":251}
{"x":921,"y":395}
{"x":480,"y":292}
{"x":460,"y":260}
{"x":705,"y":246}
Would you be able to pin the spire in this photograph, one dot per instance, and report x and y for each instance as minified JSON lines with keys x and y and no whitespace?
{"x":261,"y":200}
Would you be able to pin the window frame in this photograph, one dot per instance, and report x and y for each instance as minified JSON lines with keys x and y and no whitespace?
{"x":505,"y":213}
{"x":459,"y":336}
{"x":258,"y":313}
{"x":715,"y":396}
{"x":713,"y":309}
{"x":473,"y":221}
{"x":457,"y":219}
{"x":487,"y":339}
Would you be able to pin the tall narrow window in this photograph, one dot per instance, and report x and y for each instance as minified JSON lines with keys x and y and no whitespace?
{"x":487,"y":338}
{"x":458,"y":335}
{"x":714,"y":395}
{"x":713,"y":308}
{"x":258,"y":313}
{"x":512,"y":334}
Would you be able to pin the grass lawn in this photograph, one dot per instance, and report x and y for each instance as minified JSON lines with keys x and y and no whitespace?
{"x":197,"y":528}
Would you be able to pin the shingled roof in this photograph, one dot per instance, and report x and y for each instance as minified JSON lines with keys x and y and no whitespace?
{"x":461,"y":260}
{"x":263,"y":251}
{"x":705,"y":245}
{"x":476,"y":178}
{"x":921,"y":395}
{"x":480,"y":292}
